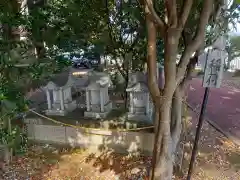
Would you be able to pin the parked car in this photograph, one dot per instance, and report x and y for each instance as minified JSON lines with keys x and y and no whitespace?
{"x":77,"y":60}
{"x":92,"y":58}
{"x":81,"y":63}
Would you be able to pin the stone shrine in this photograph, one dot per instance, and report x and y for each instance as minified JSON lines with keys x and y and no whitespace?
{"x":140,"y":106}
{"x":59,"y":95}
{"x":98,"y":104}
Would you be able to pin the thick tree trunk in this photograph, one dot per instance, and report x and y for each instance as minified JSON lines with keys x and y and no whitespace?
{"x":167,"y":137}
{"x":168,"y":107}
{"x":168,"y":126}
{"x":165,"y":145}
{"x":176,"y":125}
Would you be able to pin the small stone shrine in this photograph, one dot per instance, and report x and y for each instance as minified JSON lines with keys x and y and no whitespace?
{"x":98,"y":104}
{"x":59,"y":95}
{"x":140,"y":106}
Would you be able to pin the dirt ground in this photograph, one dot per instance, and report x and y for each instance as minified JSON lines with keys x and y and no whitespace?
{"x":218,"y":159}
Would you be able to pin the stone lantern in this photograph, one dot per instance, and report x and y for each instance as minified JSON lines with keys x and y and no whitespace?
{"x":59,"y":96}
{"x":98,"y":104}
{"x":140,"y":107}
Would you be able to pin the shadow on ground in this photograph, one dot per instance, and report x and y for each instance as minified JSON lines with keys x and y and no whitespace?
{"x":124,"y":167}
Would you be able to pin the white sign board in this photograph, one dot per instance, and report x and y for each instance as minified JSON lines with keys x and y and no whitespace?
{"x":213,"y":70}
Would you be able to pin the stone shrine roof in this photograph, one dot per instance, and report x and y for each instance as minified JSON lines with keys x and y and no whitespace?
{"x":66,"y":79}
{"x":97,"y":80}
{"x":61,"y":79}
{"x":137,"y":82}
{"x":57,"y":81}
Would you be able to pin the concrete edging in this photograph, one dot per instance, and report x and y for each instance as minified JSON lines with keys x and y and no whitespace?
{"x":120,"y":142}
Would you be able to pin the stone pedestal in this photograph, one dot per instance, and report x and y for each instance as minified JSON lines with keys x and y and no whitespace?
{"x":96,"y":113}
{"x":56,"y":110}
{"x":139,"y":107}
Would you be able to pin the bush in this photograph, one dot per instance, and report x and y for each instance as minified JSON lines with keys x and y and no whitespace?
{"x":17,"y":139}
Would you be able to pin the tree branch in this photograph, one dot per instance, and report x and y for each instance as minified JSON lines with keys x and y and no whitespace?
{"x":171,"y":7}
{"x":174,"y":13}
{"x":150,"y":9}
{"x":185,"y":13}
{"x":151,"y":60}
{"x":113,"y":39}
{"x":197,"y":41}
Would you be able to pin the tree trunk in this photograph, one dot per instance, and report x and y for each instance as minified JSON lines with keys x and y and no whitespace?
{"x":167,"y":104}
{"x":168,"y":125}
{"x":162,"y":151}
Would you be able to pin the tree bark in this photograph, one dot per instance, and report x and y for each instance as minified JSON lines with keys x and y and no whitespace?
{"x":168,"y":104}
{"x":162,"y":160}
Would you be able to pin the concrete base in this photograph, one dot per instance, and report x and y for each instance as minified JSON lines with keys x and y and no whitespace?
{"x":69,"y":107}
{"x":53,"y":112}
{"x":138,"y":117}
{"x":95,"y":115}
{"x":98,"y":115}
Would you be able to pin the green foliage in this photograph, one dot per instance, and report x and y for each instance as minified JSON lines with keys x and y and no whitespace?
{"x":62,"y":25}
{"x":72,"y":25}
{"x":234,"y":47}
{"x":126,"y":32}
{"x":19,"y":69}
{"x":16,"y":140}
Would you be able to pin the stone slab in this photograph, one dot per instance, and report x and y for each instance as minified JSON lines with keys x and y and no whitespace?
{"x":5,"y":154}
{"x":76,"y":137}
{"x":108,"y":107}
{"x":70,"y":106}
{"x":53,"y":112}
{"x":50,"y":133}
{"x":94,"y":139}
{"x":95,"y":115}
{"x":138,"y":117}
{"x":30,"y":128}
{"x":33,"y":121}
